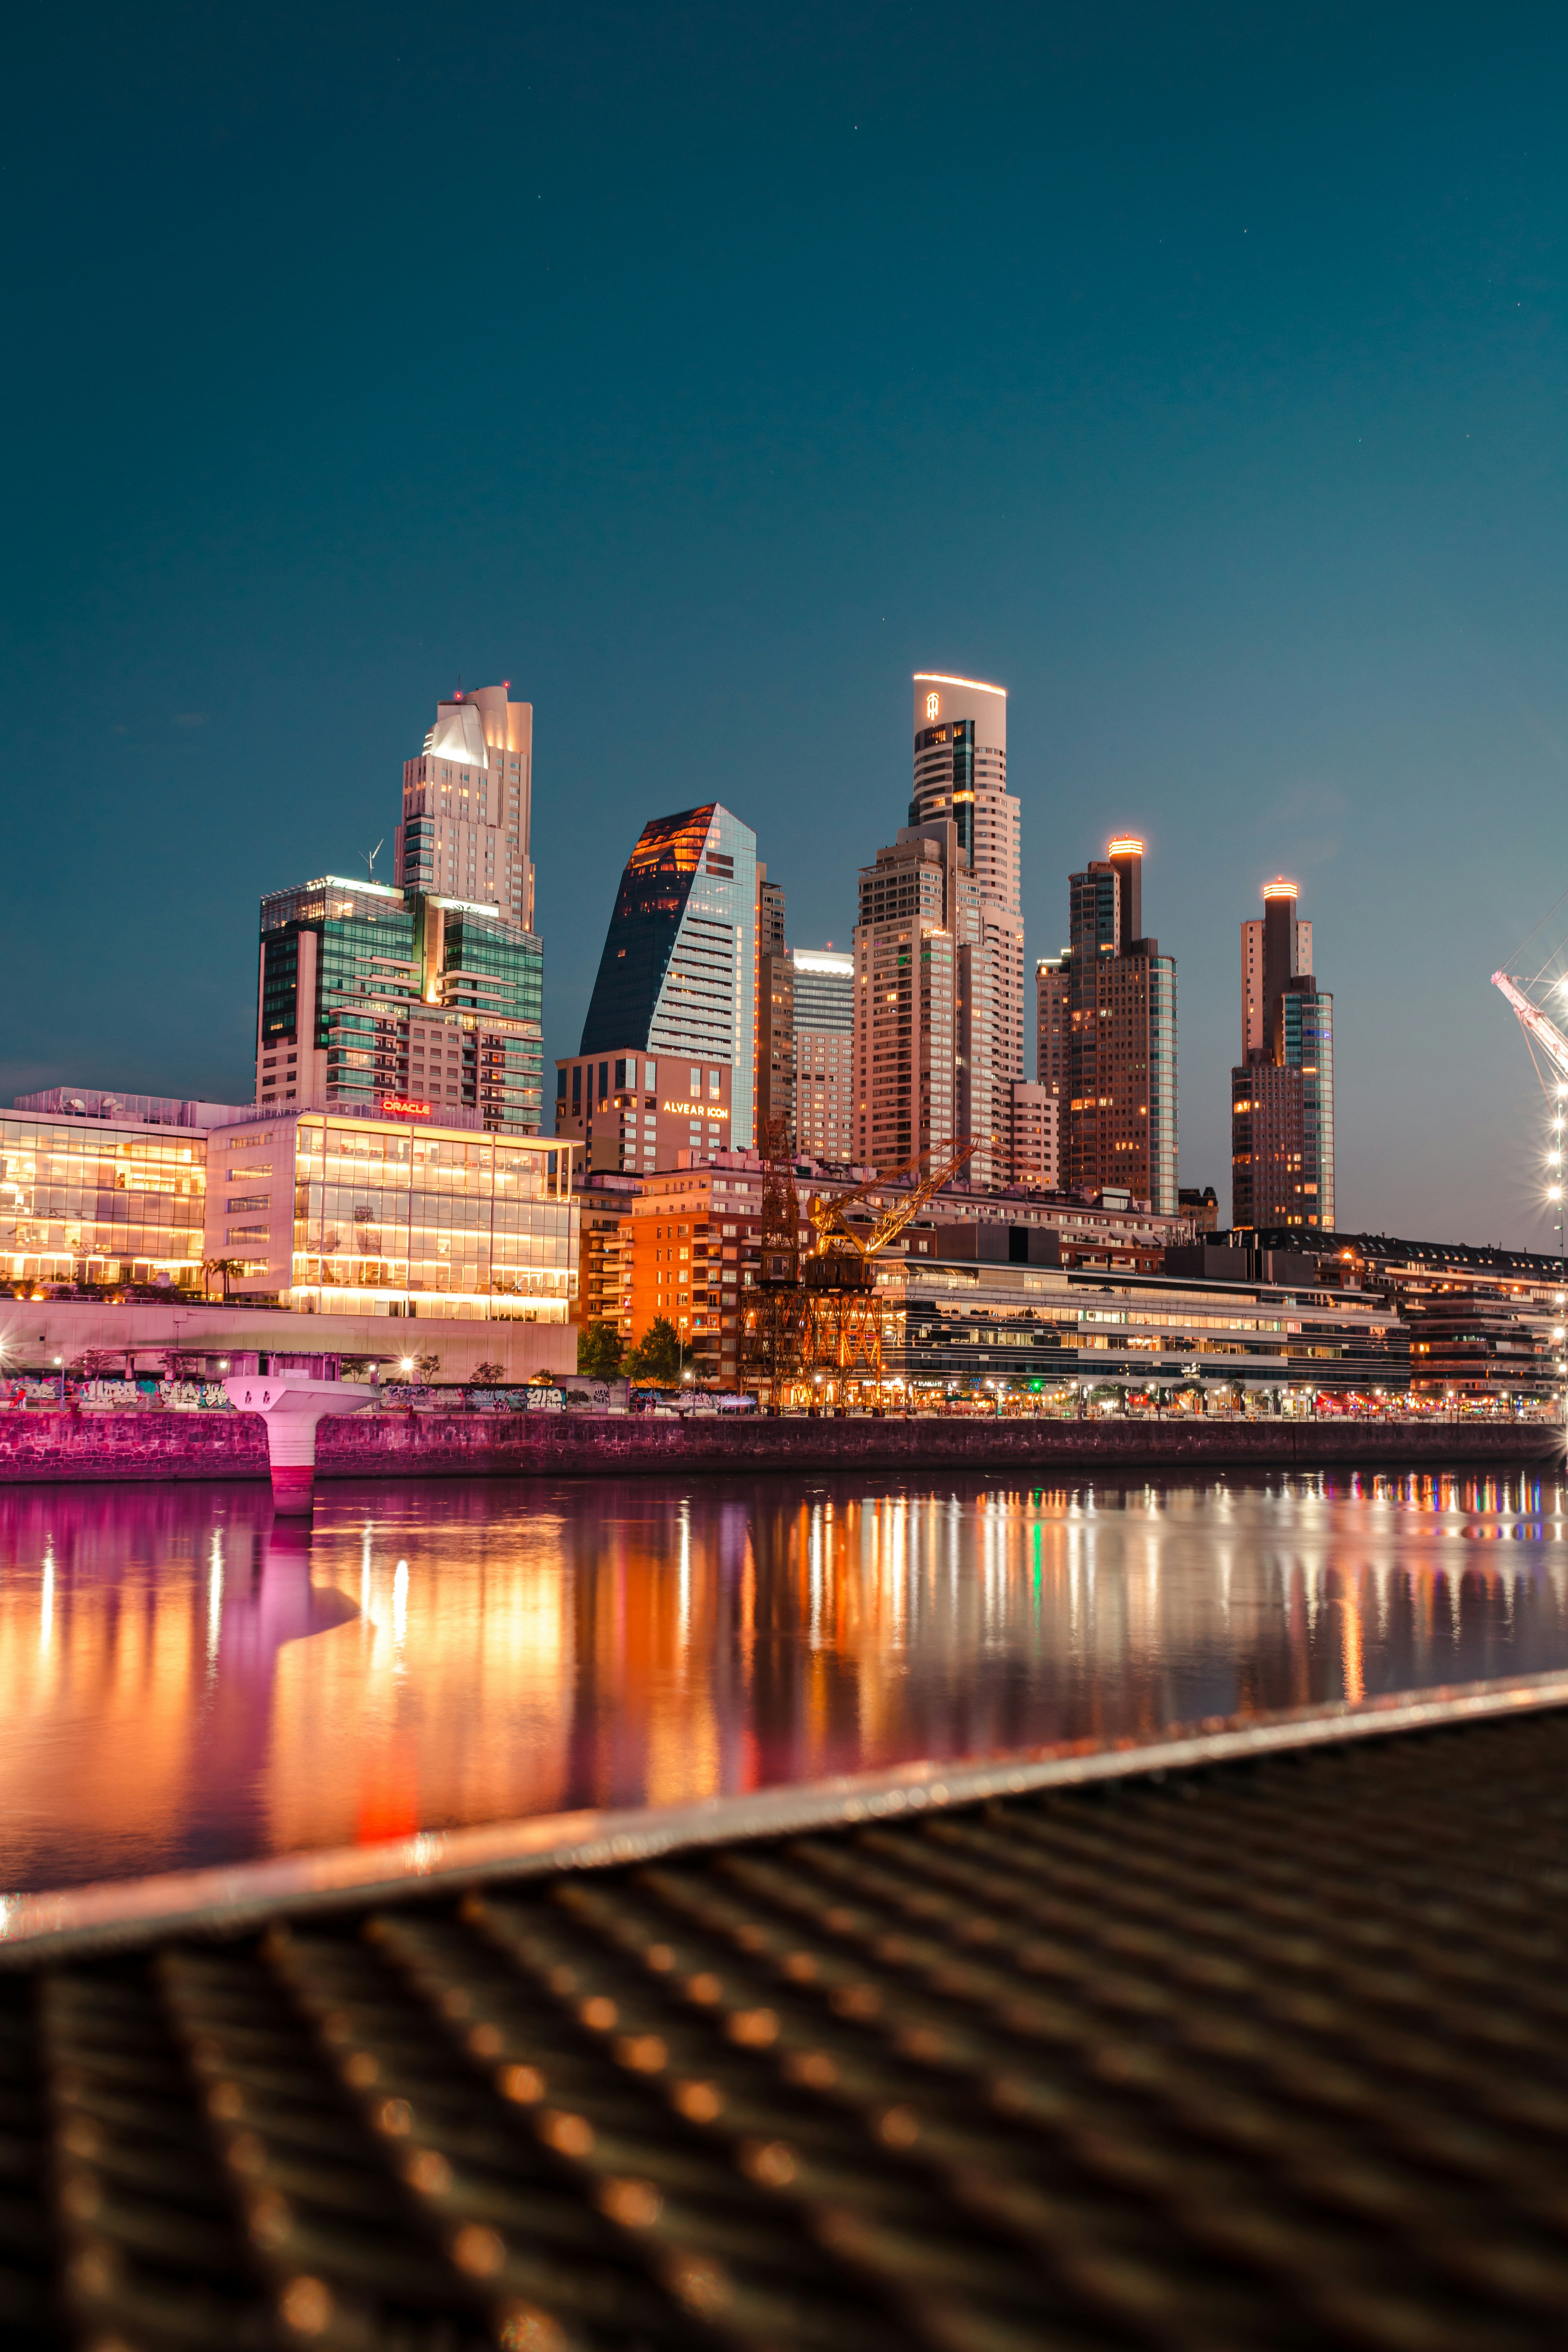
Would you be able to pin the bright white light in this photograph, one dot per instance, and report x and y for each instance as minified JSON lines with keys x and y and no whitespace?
{"x":1554,"y":1192}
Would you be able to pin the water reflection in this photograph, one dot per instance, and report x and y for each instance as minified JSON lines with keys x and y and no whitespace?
{"x":186,"y":1680}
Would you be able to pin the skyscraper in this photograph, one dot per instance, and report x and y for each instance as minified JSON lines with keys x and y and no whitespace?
{"x":432,"y":985}
{"x":366,"y":992}
{"x":1121,"y":1126}
{"x":1282,"y":1091}
{"x":906,"y":1072}
{"x":775,"y":1110}
{"x":467,"y":803}
{"x":668,"y":1058}
{"x":825,"y":1052}
{"x":1053,"y":1026}
{"x":961,"y":773}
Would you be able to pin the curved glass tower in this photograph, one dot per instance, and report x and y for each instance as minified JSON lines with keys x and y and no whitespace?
{"x":677,"y":975}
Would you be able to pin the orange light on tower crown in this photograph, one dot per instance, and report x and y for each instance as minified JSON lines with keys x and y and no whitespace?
{"x":1126,"y":845}
{"x":1280,"y":889}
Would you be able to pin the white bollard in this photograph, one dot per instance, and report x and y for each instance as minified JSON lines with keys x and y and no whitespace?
{"x":292,"y":1404}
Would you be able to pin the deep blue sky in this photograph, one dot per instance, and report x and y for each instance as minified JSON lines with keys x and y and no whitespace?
{"x":1197,"y":372}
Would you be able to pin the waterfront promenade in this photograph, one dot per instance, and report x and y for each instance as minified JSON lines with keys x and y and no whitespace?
{"x":66,"y":1447}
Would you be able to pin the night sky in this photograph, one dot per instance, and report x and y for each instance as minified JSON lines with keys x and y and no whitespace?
{"x":1197,"y":373}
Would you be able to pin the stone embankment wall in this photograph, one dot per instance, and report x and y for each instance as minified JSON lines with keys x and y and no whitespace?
{"x":399,"y":1444}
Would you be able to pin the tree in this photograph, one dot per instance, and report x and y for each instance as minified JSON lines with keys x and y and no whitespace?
{"x":599,"y":1351}
{"x":227,"y":1270}
{"x":657,"y":1354}
{"x":488,"y":1375}
{"x":427,"y":1367}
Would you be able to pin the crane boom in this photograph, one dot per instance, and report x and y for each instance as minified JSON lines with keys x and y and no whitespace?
{"x":828,"y":1218}
{"x":1535,"y":1024}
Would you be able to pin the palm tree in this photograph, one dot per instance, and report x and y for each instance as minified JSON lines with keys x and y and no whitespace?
{"x":226,"y":1268}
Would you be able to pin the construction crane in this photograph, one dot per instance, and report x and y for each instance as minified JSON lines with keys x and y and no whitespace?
{"x":841,"y":1326}
{"x":1537,"y":1027}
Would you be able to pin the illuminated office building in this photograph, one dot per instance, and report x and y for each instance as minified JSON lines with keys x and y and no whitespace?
{"x":366,"y":991}
{"x":1282,"y":1090}
{"x":667,"y":1058}
{"x":351,"y":1213}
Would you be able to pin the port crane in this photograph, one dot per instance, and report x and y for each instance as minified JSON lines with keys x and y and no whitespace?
{"x":841,"y":1324}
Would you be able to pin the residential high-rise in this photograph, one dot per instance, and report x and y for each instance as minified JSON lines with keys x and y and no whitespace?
{"x":1282,"y":1091}
{"x":468,"y":804}
{"x":666,"y":1061}
{"x":1053,"y":1025}
{"x":776,"y":1110}
{"x":824,"y":1052}
{"x":961,"y":773}
{"x":906,"y":1064}
{"x":1121,"y":1128}
{"x":1034,"y":1127}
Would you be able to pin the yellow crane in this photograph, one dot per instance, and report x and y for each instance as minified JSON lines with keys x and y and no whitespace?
{"x":841,"y":1324}
{"x":833,"y":1231}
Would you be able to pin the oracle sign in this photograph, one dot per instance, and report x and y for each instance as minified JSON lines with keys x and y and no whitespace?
{"x":394,"y":1107}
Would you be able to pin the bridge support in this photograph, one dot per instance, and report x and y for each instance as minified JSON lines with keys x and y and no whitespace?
{"x":293,"y":1406}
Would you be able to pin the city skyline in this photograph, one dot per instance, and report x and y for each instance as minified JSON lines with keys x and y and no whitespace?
{"x":1236,"y":460}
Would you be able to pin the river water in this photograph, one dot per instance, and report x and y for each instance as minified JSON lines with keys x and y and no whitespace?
{"x":186,"y":1680}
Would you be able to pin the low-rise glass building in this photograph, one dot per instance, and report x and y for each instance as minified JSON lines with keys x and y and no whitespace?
{"x":953,"y":1324}
{"x":95,"y":1200}
{"x":344,"y":1214}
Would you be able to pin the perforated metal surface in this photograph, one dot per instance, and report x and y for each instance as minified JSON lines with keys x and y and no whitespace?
{"x":1270,"y":2055}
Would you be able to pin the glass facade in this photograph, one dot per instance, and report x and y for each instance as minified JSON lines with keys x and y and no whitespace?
{"x":394,"y":1220}
{"x":389,"y":973}
{"x":679,"y":971}
{"x":93,"y":1203}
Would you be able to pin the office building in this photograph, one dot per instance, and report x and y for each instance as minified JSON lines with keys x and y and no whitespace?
{"x":1003,"y":1312}
{"x":1282,"y":1090}
{"x":636,"y":1112}
{"x":824,"y":990}
{"x":467,"y":803}
{"x":398,"y":1214}
{"x":368,"y":991}
{"x":331,"y":1214}
{"x":105,"y":1190}
{"x":1121,"y":1128}
{"x":775,"y":1075}
{"x":961,"y":772}
{"x":906,"y":1063}
{"x":667,"y":1058}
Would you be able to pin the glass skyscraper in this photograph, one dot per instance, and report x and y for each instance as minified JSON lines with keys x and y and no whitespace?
{"x":677,"y":975}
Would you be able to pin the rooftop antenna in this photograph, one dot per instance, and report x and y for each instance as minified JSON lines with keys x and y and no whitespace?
{"x":372,"y":854}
